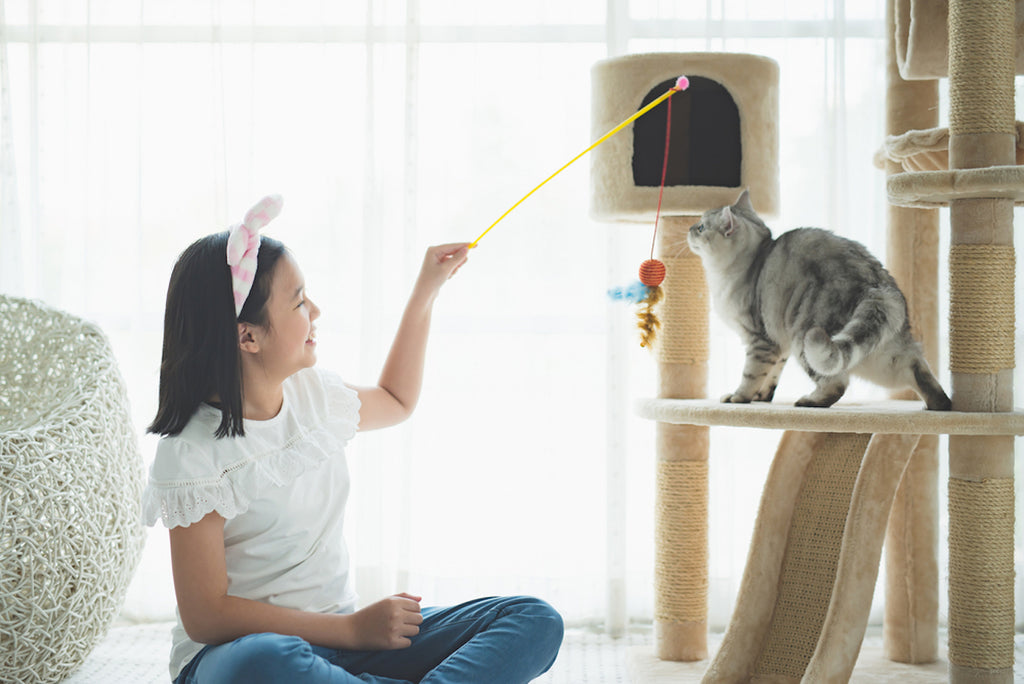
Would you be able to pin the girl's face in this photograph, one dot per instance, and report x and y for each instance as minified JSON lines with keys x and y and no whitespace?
{"x":288,"y":344}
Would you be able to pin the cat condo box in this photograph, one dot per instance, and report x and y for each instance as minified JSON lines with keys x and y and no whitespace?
{"x":724,"y":135}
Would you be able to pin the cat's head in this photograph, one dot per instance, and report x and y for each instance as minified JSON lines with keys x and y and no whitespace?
{"x":725,"y":233}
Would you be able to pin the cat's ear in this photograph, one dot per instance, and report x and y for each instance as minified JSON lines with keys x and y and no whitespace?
{"x":730,"y":222}
{"x":744,"y":201}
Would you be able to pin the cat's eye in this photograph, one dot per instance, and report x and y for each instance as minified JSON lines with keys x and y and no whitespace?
{"x":699,"y":228}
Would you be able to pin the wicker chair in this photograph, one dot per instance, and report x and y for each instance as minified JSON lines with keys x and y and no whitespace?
{"x":70,"y":486}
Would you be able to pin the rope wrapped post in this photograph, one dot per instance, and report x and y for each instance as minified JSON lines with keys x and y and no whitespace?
{"x":981,"y":509}
{"x":681,"y":508}
{"x":912,"y":537}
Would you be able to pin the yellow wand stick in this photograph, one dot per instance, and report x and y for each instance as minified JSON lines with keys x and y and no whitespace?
{"x":682,"y":83}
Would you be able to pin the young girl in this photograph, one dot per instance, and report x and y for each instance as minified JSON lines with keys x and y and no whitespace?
{"x":251,"y":480}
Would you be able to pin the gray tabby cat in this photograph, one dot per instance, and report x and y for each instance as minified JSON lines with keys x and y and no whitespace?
{"x":813,"y":295}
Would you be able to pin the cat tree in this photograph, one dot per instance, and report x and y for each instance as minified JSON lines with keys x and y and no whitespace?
{"x":845,"y":477}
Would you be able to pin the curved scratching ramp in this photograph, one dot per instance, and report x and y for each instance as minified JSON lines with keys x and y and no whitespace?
{"x":803,"y":604}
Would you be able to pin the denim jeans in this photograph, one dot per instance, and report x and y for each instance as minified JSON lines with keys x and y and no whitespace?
{"x":509,"y":640}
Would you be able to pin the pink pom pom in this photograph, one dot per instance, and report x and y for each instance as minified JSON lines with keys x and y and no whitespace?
{"x":682,"y":83}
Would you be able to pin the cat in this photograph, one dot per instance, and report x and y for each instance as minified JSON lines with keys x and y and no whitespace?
{"x":813,"y":295}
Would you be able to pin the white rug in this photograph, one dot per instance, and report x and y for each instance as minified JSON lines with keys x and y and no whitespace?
{"x":138,"y":655}
{"x":872,"y":666}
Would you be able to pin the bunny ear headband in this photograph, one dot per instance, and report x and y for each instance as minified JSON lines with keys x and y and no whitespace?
{"x":244,"y":246}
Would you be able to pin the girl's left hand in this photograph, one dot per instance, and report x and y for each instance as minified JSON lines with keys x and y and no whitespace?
{"x":440,"y":264}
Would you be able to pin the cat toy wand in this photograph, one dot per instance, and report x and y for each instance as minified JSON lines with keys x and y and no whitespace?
{"x":682,"y":83}
{"x":652,"y":271}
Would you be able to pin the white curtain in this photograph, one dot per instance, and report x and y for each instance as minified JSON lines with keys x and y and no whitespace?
{"x":130,"y":128}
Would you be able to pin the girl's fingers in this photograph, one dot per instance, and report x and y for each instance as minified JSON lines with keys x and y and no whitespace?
{"x":417,"y":599}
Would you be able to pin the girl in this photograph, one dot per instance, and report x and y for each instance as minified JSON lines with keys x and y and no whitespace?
{"x":251,"y":480}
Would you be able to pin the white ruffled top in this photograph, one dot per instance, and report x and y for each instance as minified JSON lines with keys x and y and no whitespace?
{"x":282,"y":489}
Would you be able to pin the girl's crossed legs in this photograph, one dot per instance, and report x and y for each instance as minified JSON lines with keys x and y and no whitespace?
{"x":487,"y":641}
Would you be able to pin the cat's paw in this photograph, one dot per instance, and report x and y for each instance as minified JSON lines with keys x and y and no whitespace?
{"x":941,"y":403}
{"x":764,"y":395}
{"x":813,"y":402}
{"x":735,"y":398}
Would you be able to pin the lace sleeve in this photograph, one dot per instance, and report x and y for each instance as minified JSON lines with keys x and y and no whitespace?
{"x":342,"y":405}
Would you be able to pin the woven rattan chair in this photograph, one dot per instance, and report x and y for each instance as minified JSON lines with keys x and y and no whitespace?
{"x":70,"y":485}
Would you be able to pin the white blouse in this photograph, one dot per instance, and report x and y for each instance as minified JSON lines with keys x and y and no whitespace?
{"x":282,"y":490}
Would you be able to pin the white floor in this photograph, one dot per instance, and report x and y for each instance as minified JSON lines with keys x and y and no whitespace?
{"x":138,"y":655}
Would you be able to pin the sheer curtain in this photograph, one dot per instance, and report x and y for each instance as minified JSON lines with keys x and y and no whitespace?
{"x":131,"y":128}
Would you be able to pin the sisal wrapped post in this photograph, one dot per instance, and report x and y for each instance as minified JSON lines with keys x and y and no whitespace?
{"x":912,"y":537}
{"x":681,"y":507}
{"x":981,"y":508}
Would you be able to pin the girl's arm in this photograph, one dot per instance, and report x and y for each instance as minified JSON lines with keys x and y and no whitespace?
{"x":398,"y":390}
{"x":211,"y":616}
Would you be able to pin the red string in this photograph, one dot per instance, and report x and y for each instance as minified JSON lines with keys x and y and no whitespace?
{"x":664,"y":172}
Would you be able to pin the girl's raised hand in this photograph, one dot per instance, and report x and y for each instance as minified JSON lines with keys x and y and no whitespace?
{"x":387,"y":624}
{"x":440,"y":263}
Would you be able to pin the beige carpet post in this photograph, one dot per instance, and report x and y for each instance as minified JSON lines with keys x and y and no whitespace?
{"x":981,"y":266}
{"x":681,"y":507}
{"x":912,"y":536}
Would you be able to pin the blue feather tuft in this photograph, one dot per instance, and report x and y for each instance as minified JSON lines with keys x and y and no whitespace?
{"x":634,"y":292}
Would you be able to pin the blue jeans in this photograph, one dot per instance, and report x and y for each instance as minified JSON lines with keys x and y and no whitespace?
{"x":487,"y":641}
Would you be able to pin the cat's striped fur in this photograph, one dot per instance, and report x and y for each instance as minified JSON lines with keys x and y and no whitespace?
{"x":811,"y":295}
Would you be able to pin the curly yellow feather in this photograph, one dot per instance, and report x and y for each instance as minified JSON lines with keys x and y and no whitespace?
{"x":647,"y":319}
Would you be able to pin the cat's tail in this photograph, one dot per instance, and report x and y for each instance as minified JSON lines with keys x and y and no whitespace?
{"x":874,"y":319}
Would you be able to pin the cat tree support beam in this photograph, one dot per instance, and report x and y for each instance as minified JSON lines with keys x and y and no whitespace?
{"x":912,"y":536}
{"x":981,"y":508}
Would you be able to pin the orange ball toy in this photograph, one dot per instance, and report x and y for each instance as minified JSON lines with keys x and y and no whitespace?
{"x":652,"y":273}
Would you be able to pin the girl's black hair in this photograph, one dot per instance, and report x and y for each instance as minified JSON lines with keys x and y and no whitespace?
{"x":201,"y":358}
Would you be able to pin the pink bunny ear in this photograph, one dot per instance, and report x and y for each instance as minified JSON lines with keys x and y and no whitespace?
{"x":244,"y":246}
{"x":263,"y":212}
